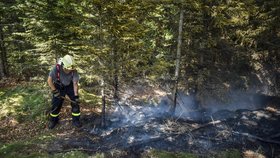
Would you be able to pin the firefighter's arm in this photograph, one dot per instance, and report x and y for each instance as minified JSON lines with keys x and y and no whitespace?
{"x":55,"y":92}
{"x":76,"y":88}
{"x":50,"y":83}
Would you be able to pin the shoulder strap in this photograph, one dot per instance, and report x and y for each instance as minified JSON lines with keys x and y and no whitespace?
{"x":58,"y":72}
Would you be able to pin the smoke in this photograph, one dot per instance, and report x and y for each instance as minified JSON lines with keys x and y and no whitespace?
{"x":137,"y":115}
{"x":129,"y":113}
{"x":187,"y":107}
{"x":133,"y":114}
{"x":143,"y":120}
{"x":240,"y":100}
{"x":136,"y":123}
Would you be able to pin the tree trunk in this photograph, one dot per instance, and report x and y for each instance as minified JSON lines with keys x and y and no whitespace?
{"x":115,"y":72}
{"x":3,"y":56}
{"x":1,"y":67}
{"x":178,"y":59}
{"x":103,"y":122}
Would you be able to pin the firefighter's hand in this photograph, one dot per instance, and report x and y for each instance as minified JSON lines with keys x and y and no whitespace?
{"x":77,"y":100}
{"x":56,"y":93}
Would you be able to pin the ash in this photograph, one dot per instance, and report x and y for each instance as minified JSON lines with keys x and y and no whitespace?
{"x":132,"y":130}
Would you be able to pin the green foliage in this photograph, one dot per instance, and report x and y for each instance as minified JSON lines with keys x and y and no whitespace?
{"x":125,"y":40}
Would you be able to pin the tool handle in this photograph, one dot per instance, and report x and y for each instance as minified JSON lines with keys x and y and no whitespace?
{"x":68,"y":99}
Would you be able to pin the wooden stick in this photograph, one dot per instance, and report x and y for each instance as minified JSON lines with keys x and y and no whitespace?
{"x":206,"y":125}
{"x":67,"y":99}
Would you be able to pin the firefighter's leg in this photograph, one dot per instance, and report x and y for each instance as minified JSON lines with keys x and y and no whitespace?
{"x":75,"y":107}
{"x":76,"y":115}
{"x":56,"y":106}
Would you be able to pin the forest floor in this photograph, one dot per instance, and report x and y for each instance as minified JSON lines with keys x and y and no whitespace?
{"x":139,"y":127}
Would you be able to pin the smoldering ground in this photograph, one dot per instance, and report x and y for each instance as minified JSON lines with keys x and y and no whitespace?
{"x":133,"y":129}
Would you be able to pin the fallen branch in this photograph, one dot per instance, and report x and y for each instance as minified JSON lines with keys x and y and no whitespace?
{"x":145,"y":141}
{"x":208,"y":138}
{"x":257,"y":138}
{"x":206,"y":125}
{"x":275,"y":136}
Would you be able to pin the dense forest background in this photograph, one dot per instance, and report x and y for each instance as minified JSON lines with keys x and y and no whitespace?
{"x":137,"y":54}
{"x":208,"y":48}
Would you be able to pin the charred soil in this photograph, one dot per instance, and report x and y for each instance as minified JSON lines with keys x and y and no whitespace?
{"x":135,"y":130}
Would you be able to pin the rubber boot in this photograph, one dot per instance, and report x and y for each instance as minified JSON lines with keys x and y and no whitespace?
{"x":76,"y":121}
{"x":53,"y":122}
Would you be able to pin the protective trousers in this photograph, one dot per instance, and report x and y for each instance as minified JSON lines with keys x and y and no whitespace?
{"x":58,"y":101}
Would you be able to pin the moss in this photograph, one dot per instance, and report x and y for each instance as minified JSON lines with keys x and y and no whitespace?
{"x":26,"y":148}
{"x":32,"y":151}
{"x":165,"y":154}
{"x":231,"y":153}
{"x":71,"y":154}
{"x":13,"y":150}
{"x":33,"y":148}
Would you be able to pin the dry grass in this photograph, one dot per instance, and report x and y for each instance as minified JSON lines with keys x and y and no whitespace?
{"x":252,"y":154}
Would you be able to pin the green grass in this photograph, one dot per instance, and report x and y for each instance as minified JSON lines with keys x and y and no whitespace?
{"x":13,"y":150}
{"x":33,"y":150}
{"x":37,"y":147}
{"x":76,"y":154}
{"x":26,"y":148}
{"x":24,"y":102}
{"x":165,"y":154}
{"x":30,"y":101}
{"x":231,"y":153}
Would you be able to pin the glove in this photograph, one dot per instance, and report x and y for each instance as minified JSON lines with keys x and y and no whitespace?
{"x":77,"y":100}
{"x":56,"y":93}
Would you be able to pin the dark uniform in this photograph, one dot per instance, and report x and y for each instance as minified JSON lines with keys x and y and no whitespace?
{"x":63,"y":83}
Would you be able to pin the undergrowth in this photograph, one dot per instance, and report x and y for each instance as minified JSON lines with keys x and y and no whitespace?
{"x":24,"y":102}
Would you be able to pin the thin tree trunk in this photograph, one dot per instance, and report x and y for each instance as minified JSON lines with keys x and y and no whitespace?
{"x":115,"y":72}
{"x":178,"y":60}
{"x":103,"y":123}
{"x":2,"y":75}
{"x":116,"y":80}
{"x":3,"y":57}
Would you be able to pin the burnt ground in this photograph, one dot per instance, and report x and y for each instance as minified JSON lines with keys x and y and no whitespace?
{"x":131,"y":131}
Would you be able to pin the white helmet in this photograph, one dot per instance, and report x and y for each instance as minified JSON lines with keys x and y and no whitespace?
{"x":68,"y":62}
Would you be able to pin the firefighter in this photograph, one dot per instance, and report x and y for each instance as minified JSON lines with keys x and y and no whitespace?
{"x":63,"y":80}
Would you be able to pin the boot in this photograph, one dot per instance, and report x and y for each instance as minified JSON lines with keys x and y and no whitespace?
{"x":52,"y":123}
{"x":76,"y":121}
